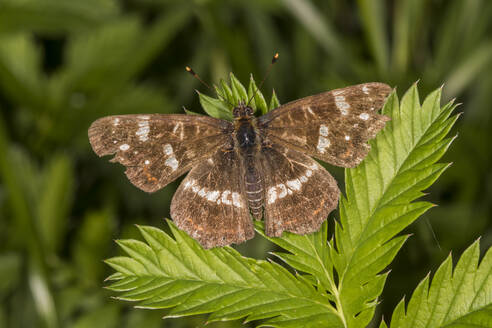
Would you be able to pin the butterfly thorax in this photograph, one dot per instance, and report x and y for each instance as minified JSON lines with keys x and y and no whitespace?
{"x":247,"y":141}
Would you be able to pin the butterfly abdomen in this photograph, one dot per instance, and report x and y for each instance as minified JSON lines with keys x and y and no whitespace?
{"x":248,"y":141}
{"x":253,"y":188}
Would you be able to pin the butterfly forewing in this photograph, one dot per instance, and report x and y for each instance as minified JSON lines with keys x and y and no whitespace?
{"x":332,"y":126}
{"x":299,"y":193}
{"x":210,"y":204}
{"x":157,"y":149}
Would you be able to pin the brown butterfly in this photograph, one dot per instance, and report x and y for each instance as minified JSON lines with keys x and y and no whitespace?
{"x":259,"y":166}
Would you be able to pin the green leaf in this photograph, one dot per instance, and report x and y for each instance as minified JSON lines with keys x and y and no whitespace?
{"x":231,"y":95}
{"x":455,"y":298}
{"x":274,"y":103}
{"x":226,"y":92}
{"x":238,"y":90}
{"x":215,"y":107}
{"x":258,"y":102}
{"x":189,"y":112}
{"x":163,"y":272}
{"x":379,"y":196}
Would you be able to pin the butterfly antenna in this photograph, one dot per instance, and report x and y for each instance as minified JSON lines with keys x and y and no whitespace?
{"x":192,"y":72}
{"x":274,"y":60}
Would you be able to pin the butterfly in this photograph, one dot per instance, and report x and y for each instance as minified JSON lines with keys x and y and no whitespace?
{"x":260,"y":167}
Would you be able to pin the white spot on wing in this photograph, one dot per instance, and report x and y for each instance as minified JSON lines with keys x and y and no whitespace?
{"x":236,"y":199}
{"x":364,"y":116}
{"x":189,"y":183}
{"x":172,"y":162}
{"x":323,"y":130}
{"x":213,"y":195}
{"x":124,"y":147}
{"x":168,"y":149}
{"x":283,"y":190}
{"x":147,"y":162}
{"x":341,"y":104}
{"x":313,"y":166}
{"x":347,"y":138}
{"x":143,"y":130}
{"x":144,"y":117}
{"x":116,"y":121}
{"x":224,"y":199}
{"x":323,"y":143}
{"x":294,"y":184}
{"x":272,"y":195}
{"x":365,"y":89}
{"x":309,"y":173}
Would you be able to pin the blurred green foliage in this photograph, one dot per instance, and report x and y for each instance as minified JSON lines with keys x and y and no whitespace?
{"x":65,"y":63}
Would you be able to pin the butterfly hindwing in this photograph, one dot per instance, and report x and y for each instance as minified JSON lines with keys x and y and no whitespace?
{"x":210,"y":204}
{"x":299,"y":193}
{"x":333,"y":126}
{"x":157,"y":149}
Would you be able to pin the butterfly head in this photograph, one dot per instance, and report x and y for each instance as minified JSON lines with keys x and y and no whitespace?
{"x":242,"y":111}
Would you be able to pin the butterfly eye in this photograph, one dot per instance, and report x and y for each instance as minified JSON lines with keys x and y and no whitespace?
{"x":249,"y":111}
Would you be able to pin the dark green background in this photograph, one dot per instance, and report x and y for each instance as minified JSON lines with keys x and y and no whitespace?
{"x":64,"y":64}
